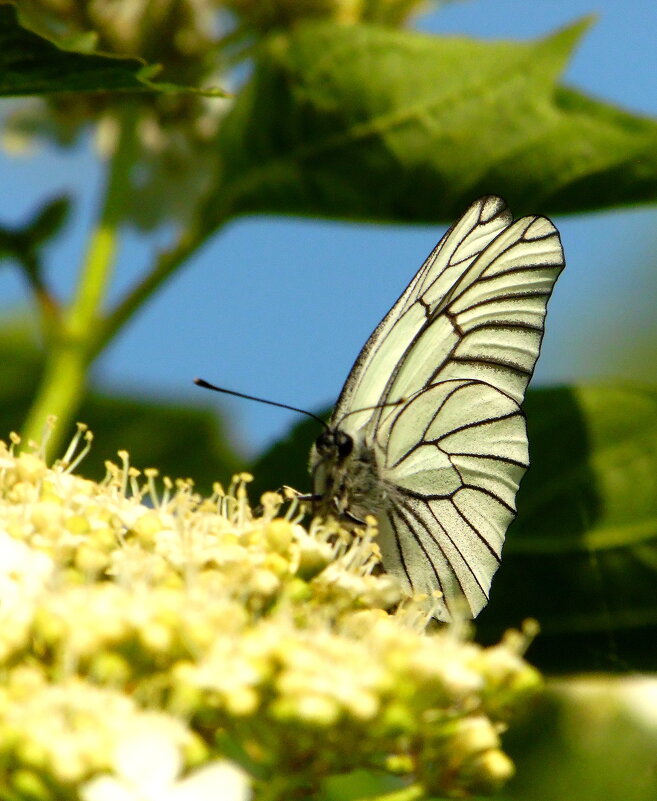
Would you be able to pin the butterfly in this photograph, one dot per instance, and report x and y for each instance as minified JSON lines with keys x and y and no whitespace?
{"x":427,"y":433}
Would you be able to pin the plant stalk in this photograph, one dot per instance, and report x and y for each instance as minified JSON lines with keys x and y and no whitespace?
{"x":209,"y":219}
{"x":64,"y":378}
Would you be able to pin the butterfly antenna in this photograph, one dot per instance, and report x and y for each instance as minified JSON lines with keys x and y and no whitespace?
{"x":376,"y":406}
{"x":200,"y":382}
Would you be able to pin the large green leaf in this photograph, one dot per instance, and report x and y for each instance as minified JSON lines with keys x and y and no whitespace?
{"x":286,"y":462}
{"x":373,"y":123}
{"x":33,"y":65}
{"x":581,"y":557}
{"x":181,"y":442}
{"x":587,"y":738}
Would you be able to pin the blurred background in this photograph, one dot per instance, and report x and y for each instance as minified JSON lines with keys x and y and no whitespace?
{"x":279,"y":307}
{"x":336,"y":280}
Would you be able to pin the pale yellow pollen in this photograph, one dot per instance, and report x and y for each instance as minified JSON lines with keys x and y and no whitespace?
{"x":135,"y":594}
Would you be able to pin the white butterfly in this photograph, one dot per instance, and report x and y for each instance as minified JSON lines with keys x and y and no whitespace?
{"x":427,"y":433}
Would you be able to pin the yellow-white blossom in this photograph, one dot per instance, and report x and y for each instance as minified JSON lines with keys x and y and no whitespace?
{"x":150,"y":634}
{"x":147,"y":765}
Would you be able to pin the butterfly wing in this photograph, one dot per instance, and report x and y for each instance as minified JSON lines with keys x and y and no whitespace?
{"x":454,"y":458}
{"x":367,"y":383}
{"x":459,"y":348}
{"x":489,"y":326}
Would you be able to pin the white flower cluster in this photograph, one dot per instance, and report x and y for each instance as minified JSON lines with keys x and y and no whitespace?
{"x":156,"y":644}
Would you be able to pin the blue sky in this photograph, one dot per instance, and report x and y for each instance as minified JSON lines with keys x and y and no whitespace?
{"x":281,"y":307}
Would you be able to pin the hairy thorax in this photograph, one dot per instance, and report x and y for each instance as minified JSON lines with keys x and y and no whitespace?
{"x":347,"y":479}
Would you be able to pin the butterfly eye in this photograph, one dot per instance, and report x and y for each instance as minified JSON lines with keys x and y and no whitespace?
{"x":325,"y":442}
{"x":345,"y":444}
{"x":329,"y":442}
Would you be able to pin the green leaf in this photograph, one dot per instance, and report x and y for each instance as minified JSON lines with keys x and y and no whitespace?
{"x":33,"y":65}
{"x":286,"y":462}
{"x":372,"y":123}
{"x":23,"y":245}
{"x":585,"y":738}
{"x":180,"y":441}
{"x":21,"y":241}
{"x":49,"y":219}
{"x":581,"y":557}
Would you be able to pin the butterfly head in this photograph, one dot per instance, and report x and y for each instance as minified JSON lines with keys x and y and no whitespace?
{"x":329,"y":460}
{"x":334,"y":444}
{"x":344,"y":475}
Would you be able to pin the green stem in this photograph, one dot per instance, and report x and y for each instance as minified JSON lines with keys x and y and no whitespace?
{"x":166,"y":264}
{"x":64,"y":378}
{"x":209,"y":218}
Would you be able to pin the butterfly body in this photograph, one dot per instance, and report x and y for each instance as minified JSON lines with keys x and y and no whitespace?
{"x":347,"y":477}
{"x":427,"y":433}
